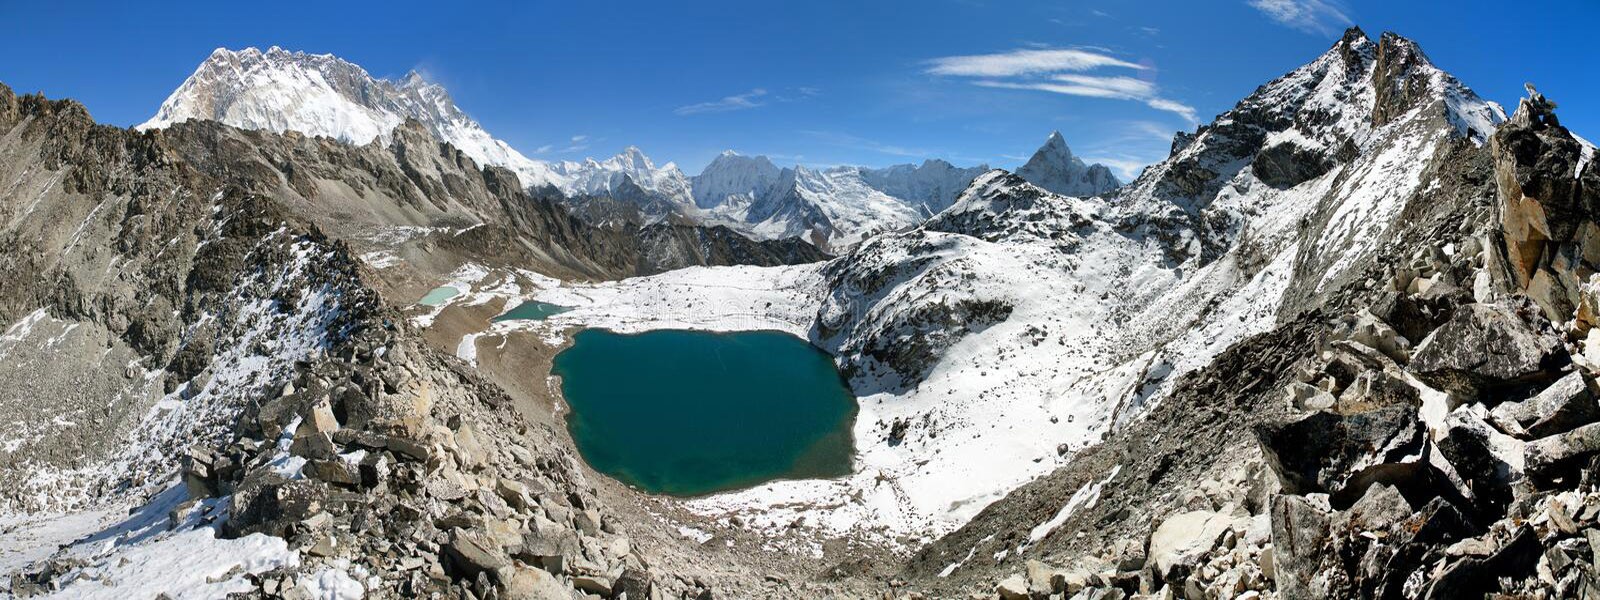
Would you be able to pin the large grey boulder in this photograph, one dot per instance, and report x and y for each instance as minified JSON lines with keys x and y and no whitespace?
{"x":1488,"y":347}
{"x":1561,"y":454}
{"x":473,"y":551}
{"x":1184,"y":538}
{"x":1566,"y":404}
{"x":1476,"y":577}
{"x":1301,"y":541}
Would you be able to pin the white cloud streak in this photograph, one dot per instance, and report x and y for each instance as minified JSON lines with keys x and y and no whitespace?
{"x":755,"y":98}
{"x":1024,"y":62}
{"x":1321,"y":17}
{"x":1059,"y":71}
{"x":745,"y":101}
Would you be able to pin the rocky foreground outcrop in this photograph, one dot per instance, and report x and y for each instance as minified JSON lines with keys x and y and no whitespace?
{"x":246,"y":352}
{"x":1442,"y":443}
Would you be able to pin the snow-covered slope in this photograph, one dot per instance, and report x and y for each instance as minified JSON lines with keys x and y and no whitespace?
{"x":1019,"y":325}
{"x":1053,"y":167}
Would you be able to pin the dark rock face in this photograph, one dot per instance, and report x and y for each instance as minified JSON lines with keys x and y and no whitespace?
{"x":1487,"y":348}
{"x":1343,"y":455}
{"x":1547,"y":208}
{"x":1286,"y":164}
{"x":665,"y":247}
{"x":1395,"y":77}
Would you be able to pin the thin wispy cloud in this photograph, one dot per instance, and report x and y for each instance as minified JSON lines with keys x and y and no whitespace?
{"x":755,"y":98}
{"x":576,"y":143}
{"x":1024,"y":62}
{"x":1060,"y":71}
{"x":1322,"y":17}
{"x":745,"y":101}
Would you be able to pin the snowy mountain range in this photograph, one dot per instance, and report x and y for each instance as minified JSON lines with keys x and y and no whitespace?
{"x":1317,"y":351}
{"x":323,"y":95}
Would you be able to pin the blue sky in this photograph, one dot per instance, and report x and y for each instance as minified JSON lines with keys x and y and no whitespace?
{"x":817,"y":83}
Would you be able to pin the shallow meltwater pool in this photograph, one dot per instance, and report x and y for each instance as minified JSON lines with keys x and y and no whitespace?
{"x":687,"y":413}
{"x":438,"y":296}
{"x":531,"y":311}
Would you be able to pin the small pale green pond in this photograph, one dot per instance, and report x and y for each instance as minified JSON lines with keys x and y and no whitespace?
{"x":687,"y":413}
{"x":531,"y":311}
{"x":438,"y":296}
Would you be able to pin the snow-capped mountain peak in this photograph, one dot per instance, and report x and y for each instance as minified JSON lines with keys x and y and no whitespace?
{"x":324,"y":95}
{"x":734,"y":178}
{"x":1054,"y":168}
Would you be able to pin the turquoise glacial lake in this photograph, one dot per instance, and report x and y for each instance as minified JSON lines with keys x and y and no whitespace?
{"x":531,"y":311}
{"x":687,"y":413}
{"x":438,"y":296}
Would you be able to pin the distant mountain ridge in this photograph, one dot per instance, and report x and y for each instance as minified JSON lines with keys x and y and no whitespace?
{"x":834,"y":208}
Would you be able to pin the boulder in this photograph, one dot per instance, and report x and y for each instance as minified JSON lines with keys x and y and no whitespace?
{"x":1561,"y":455}
{"x":1475,"y":577}
{"x":310,"y":443}
{"x":410,"y":448}
{"x":1378,"y":509}
{"x":336,"y":470}
{"x":267,"y":502}
{"x":1182,"y":539}
{"x":320,"y":418}
{"x":1486,"y":348}
{"x":471,"y":552}
{"x":1566,"y":404}
{"x":1343,"y":454}
{"x":1301,"y":541}
{"x":526,"y":583}
{"x":633,"y":583}
{"x":1368,"y":330}
{"x":1414,"y":317}
{"x":1375,"y":389}
{"x":1306,"y":397}
{"x":596,"y":584}
{"x":468,"y":449}
{"x":1489,"y":461}
{"x":1014,"y":587}
{"x":199,"y":476}
{"x":374,"y":468}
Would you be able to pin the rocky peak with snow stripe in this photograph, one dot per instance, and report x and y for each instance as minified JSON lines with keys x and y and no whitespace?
{"x":1295,"y":129}
{"x":1000,"y":205}
{"x":1053,"y":167}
